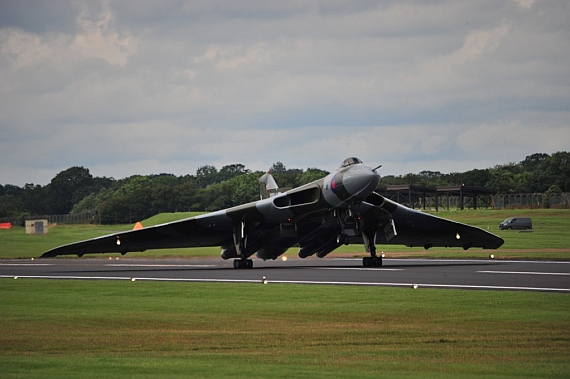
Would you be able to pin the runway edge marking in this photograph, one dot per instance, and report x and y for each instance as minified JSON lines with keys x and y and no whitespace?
{"x":419,"y":285}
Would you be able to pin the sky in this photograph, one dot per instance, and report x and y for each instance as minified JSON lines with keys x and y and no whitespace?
{"x":146,"y":87}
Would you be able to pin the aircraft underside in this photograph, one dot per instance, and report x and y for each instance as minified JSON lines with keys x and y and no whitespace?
{"x":326,"y":233}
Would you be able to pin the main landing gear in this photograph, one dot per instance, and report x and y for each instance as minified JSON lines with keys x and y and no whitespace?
{"x":372,"y":261}
{"x":243,"y":263}
{"x":369,"y":229}
{"x":240,"y":242}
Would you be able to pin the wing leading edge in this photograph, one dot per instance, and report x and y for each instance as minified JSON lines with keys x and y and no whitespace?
{"x":212,"y":230}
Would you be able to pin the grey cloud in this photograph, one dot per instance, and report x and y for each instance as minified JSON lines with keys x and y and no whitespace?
{"x":120,"y":85}
{"x":38,"y":16}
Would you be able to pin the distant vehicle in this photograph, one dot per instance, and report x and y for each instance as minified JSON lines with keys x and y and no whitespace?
{"x":521,"y":223}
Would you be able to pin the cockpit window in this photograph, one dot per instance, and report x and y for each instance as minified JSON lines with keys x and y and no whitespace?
{"x":350,"y":161}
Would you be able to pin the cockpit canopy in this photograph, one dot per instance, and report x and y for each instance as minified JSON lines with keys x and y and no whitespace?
{"x":350,"y":161}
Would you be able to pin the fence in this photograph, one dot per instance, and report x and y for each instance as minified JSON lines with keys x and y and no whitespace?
{"x":502,"y":201}
{"x":532,"y":200}
{"x":71,"y":218}
{"x":507,"y":201}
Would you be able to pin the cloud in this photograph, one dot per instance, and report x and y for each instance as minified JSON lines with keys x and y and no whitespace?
{"x":511,"y":138}
{"x":98,"y":39}
{"x":126,"y":87}
{"x":478,"y":44}
{"x":525,"y":4}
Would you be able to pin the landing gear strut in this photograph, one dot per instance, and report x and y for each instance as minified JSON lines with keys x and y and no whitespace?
{"x":240,"y":241}
{"x":373,"y":260}
{"x":348,"y":226}
{"x":369,"y":237}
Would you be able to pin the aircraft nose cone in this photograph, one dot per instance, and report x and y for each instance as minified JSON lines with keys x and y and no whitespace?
{"x":360,"y":181}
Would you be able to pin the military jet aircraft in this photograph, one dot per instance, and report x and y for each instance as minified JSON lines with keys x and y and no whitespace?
{"x":318,"y":217}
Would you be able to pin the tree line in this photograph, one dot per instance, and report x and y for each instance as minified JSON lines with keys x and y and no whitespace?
{"x":537,"y":173}
{"x":137,"y":197}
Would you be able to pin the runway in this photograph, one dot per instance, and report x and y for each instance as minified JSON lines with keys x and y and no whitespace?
{"x":548,"y":276}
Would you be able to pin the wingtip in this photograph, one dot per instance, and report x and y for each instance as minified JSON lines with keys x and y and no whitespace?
{"x":495,"y":244}
{"x":52,"y":253}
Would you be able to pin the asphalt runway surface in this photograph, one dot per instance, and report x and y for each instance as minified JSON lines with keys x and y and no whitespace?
{"x":548,"y":276}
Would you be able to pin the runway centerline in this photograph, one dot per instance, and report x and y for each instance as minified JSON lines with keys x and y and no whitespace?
{"x":154,"y":265}
{"x":360,"y":268}
{"x":525,"y":273}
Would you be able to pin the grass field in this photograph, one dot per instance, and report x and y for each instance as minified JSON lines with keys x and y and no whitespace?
{"x":550,"y":238}
{"x":112,"y":329}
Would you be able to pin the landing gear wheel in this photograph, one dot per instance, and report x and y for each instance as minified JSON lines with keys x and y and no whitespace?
{"x":372,"y":261}
{"x":243,"y":263}
{"x":342,"y":239}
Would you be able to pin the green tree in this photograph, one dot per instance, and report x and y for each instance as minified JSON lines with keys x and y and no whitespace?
{"x":188,"y":197}
{"x":311,"y":175}
{"x":11,"y":205}
{"x":475,"y":178}
{"x":218,"y":196}
{"x":559,"y":168}
{"x":533,"y":162}
{"x":245,"y":188}
{"x":34,"y":199}
{"x":549,"y":171}
{"x":67,"y":188}
{"x":553,"y":190}
{"x":93,"y":201}
{"x":231,"y":171}
{"x":10,"y":189}
{"x":162,"y":199}
{"x":278,"y":168}
{"x":131,"y":201}
{"x":285,"y":178}
{"x":206,"y":175}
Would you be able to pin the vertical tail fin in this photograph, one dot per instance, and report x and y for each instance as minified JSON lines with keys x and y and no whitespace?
{"x":267,"y":186}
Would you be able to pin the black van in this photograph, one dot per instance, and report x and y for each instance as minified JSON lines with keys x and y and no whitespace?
{"x":516,"y":223}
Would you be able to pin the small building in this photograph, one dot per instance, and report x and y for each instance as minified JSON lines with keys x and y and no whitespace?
{"x":37,"y":226}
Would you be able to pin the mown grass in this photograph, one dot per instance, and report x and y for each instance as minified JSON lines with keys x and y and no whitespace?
{"x":550,"y":238}
{"x":107,"y":329}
